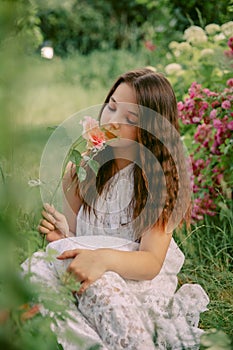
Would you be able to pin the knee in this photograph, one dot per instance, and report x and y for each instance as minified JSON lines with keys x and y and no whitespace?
{"x":107,"y":289}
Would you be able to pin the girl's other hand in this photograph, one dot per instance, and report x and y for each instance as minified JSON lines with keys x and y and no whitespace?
{"x":54,"y":224}
{"x":87,"y":265}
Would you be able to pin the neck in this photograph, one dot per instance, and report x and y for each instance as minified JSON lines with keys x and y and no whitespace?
{"x":124,"y":156}
{"x":121,"y":163}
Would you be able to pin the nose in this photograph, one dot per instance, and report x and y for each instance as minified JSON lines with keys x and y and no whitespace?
{"x":114,"y":122}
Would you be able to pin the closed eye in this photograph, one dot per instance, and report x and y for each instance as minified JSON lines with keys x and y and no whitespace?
{"x":111,"y":108}
{"x":131,"y":122}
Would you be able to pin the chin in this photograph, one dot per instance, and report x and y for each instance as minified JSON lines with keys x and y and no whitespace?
{"x":121,"y":143}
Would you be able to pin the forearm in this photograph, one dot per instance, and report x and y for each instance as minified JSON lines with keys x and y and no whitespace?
{"x":136,"y":265}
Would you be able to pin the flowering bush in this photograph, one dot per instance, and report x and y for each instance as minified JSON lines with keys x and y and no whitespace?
{"x":202,"y":56}
{"x":210,"y":115}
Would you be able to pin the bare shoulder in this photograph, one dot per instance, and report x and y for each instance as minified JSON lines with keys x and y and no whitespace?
{"x":68,"y":177}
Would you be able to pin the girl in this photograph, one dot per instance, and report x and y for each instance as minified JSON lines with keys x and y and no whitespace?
{"x":127,"y":298}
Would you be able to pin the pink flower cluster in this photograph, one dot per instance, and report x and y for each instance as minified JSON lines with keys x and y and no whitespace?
{"x":203,"y":206}
{"x":212,"y":114}
{"x":149,"y":45}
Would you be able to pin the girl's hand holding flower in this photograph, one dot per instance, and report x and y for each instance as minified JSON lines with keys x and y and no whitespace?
{"x":54,"y":224}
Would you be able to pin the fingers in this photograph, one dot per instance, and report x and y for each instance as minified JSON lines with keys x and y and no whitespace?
{"x":49,"y":208}
{"x":43,"y":229}
{"x":50,"y":236}
{"x":48,"y":217}
{"x":47,"y":225}
{"x":83,"y":287}
{"x":69,"y":254}
{"x":53,"y":221}
{"x":54,"y":213}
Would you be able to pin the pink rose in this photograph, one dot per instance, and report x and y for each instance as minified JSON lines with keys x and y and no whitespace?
{"x":226,"y":104}
{"x":218,"y":124}
{"x":196,"y":120}
{"x":215,"y":104}
{"x":180,"y":105}
{"x":213,"y":114}
{"x":92,"y":133}
{"x":203,"y":134}
{"x":230,"y":82}
{"x":88,"y":123}
{"x":230,"y":125}
{"x":97,"y":138}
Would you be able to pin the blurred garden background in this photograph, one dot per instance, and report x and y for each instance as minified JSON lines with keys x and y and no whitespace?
{"x":59,"y":57}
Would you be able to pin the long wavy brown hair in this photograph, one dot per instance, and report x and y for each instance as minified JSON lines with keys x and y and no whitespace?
{"x":156,"y":178}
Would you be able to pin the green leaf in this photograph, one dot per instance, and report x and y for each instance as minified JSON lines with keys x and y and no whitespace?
{"x":77,"y":169}
{"x":75,"y":157}
{"x":94,"y":165}
{"x":82,"y":174}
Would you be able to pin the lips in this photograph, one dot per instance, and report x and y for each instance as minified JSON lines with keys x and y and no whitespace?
{"x":110,"y":134}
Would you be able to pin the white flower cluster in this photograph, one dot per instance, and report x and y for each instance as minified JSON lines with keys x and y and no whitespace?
{"x":220,"y":33}
{"x":212,"y":28}
{"x":195,"y":35}
{"x":180,"y":48}
{"x":173,"y":69}
{"x":207,"y":52}
{"x":227,"y":28}
{"x":219,"y":37}
{"x":199,"y":44}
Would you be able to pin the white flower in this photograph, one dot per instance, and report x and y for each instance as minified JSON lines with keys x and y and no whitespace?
{"x":173,"y":45}
{"x":176,"y":53}
{"x":195,"y":35}
{"x":173,"y":69}
{"x":184,"y":47}
{"x":212,"y":28}
{"x":168,"y":56}
{"x":207,"y":52}
{"x":219,"y":37}
{"x":227,"y":28}
{"x":180,"y":48}
{"x":34,"y":183}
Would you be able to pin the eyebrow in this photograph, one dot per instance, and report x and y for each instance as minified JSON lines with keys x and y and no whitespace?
{"x":131,"y":112}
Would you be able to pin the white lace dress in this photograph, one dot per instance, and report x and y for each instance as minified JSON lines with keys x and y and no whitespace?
{"x":117,"y":313}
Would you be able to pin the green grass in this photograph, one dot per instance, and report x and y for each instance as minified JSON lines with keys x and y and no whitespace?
{"x":209,"y":261}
